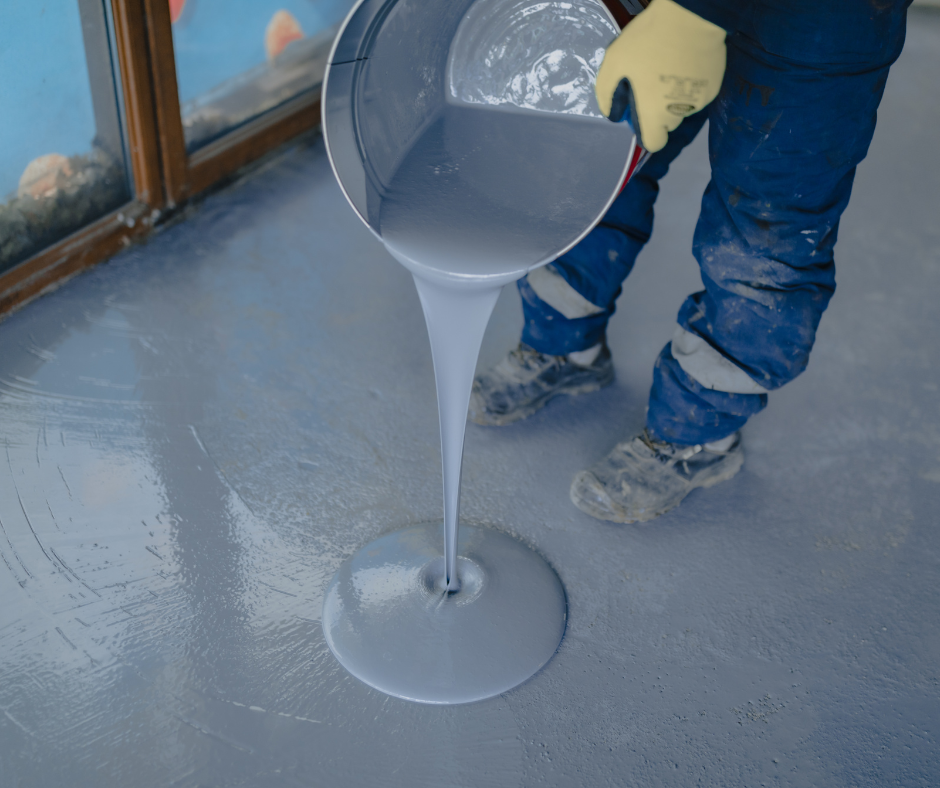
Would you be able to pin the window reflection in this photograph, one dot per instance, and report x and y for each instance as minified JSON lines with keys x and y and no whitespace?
{"x":61,"y":151}
{"x":236,"y":59}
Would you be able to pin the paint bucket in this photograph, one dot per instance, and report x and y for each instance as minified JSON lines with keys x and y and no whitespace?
{"x":500,"y":94}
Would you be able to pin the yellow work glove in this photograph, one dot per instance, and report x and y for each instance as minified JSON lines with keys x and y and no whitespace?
{"x":666,"y":64}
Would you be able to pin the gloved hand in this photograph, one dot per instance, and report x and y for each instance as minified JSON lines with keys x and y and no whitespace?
{"x":666,"y":64}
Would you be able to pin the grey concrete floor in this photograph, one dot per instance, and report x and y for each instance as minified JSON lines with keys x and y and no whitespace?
{"x":196,"y":434}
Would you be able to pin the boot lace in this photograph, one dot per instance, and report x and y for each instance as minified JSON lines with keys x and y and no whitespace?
{"x":671,"y":453}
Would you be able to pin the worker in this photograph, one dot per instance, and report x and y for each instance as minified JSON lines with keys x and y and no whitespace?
{"x":790,"y":89}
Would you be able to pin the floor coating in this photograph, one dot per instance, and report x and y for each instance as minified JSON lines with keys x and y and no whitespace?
{"x":196,"y":434}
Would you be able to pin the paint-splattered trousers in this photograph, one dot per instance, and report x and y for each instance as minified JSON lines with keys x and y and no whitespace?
{"x":785,"y":137}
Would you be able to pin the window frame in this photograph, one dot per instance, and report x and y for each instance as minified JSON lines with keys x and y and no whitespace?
{"x":163,"y":174}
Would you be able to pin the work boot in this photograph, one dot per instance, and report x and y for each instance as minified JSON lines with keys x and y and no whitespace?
{"x":526,"y":380}
{"x":643,"y":478}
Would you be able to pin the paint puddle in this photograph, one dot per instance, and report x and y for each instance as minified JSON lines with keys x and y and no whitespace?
{"x":389,"y":619}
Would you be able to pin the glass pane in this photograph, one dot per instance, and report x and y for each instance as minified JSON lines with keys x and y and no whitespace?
{"x":62,"y":162}
{"x":236,"y":59}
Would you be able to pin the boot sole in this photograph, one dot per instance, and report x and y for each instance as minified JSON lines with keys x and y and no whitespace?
{"x":486,"y":419}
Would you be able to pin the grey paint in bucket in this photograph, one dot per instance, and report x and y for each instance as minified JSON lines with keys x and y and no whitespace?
{"x":474,"y":163}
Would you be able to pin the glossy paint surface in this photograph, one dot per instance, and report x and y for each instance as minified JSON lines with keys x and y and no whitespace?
{"x":780,"y":628}
{"x":391,"y":622}
{"x":487,"y":194}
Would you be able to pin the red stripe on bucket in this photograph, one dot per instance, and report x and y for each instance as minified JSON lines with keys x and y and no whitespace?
{"x":639,"y":155}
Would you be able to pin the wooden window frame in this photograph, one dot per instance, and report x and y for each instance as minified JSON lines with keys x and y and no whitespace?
{"x":164,"y":175}
{"x":117,"y":229}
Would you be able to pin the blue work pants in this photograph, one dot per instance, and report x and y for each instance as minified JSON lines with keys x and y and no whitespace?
{"x":785,"y":137}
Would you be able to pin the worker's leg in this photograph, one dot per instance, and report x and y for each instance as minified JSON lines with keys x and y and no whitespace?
{"x":784,"y":141}
{"x":567,"y":303}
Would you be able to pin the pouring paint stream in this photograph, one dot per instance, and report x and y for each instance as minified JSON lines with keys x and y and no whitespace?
{"x":466,"y":216}
{"x":456,"y":319}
